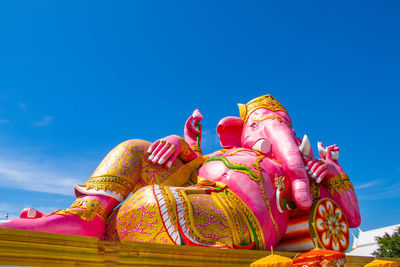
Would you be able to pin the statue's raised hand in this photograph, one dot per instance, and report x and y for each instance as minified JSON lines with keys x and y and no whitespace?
{"x":165,"y":150}
{"x":326,"y":166}
{"x":193,"y":129}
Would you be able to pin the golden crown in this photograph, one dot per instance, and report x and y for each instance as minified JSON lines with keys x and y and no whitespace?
{"x":266,"y":101}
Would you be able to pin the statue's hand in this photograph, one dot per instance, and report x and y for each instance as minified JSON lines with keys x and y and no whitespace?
{"x":324,"y":167}
{"x":193,"y":129}
{"x":165,"y":150}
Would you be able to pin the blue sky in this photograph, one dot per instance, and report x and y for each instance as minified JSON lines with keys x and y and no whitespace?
{"x":78,"y":78}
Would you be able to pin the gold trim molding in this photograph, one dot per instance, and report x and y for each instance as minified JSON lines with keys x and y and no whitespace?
{"x":26,"y":248}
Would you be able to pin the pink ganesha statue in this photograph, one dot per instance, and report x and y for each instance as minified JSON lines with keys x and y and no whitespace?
{"x":263,"y":188}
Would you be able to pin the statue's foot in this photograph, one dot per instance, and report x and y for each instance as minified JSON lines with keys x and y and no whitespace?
{"x":30,"y":213}
{"x":85,"y":217}
{"x":60,"y":224}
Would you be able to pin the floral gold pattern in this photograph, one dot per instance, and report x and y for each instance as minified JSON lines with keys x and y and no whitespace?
{"x":139,"y":219}
{"x":337,"y":183}
{"x":111,"y":183}
{"x":209,"y":220}
{"x":204,"y":215}
{"x":126,"y":169}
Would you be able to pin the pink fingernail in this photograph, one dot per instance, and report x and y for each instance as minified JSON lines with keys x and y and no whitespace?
{"x":155,"y":159}
{"x":306,"y":168}
{"x":318,"y":180}
{"x":169,"y":164}
{"x":151,"y":157}
{"x":161,"y":161}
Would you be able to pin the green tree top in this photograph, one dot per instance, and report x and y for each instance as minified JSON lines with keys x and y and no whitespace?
{"x":389,"y":245}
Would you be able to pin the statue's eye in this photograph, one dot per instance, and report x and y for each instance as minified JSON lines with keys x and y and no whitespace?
{"x":253,"y":125}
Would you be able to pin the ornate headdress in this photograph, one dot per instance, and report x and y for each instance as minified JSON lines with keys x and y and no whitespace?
{"x":266,"y":101}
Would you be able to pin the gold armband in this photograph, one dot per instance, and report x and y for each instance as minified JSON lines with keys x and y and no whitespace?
{"x":87,"y":209}
{"x":337,"y":183}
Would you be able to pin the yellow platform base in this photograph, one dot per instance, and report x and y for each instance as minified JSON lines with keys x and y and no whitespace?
{"x":26,"y":248}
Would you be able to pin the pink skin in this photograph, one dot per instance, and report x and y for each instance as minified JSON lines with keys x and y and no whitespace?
{"x":165,"y":150}
{"x":284,"y":143}
{"x":284,"y":148}
{"x":233,"y":134}
{"x":66,"y":224}
{"x":347,"y":200}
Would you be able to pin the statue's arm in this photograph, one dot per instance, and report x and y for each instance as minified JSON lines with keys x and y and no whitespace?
{"x":330,"y":175}
{"x":193,"y":131}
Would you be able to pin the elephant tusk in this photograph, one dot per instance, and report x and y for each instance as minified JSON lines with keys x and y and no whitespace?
{"x":305,"y":147}
{"x":321,"y":149}
{"x":263,"y":145}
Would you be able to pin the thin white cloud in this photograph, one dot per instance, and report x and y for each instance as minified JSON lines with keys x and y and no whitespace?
{"x":369,"y":184}
{"x":12,"y":210}
{"x":381,"y":192}
{"x":18,"y":175}
{"x":43,"y":122}
{"x":42,"y":173}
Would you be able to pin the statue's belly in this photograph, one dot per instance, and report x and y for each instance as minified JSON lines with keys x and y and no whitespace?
{"x":255,"y":187}
{"x":245,"y":186}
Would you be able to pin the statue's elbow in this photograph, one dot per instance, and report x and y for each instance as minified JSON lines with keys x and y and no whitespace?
{"x":355,"y":220}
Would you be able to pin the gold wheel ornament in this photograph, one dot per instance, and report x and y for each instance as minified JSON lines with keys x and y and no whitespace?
{"x":329,"y":227}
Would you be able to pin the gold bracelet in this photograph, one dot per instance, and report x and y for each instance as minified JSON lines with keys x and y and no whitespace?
{"x":196,"y":149}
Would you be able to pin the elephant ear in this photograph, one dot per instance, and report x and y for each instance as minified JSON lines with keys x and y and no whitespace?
{"x":229,"y":130}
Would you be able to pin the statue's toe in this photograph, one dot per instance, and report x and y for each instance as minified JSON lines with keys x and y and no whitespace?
{"x":30,"y":213}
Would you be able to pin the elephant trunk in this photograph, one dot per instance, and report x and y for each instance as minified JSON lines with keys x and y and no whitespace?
{"x":286,"y":150}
